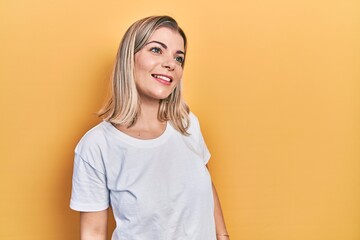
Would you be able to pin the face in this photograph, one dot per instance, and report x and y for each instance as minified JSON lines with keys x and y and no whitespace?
{"x":158,"y":65}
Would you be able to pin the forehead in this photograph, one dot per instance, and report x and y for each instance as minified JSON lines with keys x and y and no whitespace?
{"x":169,"y":37}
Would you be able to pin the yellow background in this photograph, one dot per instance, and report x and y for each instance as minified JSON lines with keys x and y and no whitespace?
{"x":275,"y":84}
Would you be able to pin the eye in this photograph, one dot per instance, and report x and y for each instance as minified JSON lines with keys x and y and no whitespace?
{"x":179,"y":59}
{"x":155,"y":50}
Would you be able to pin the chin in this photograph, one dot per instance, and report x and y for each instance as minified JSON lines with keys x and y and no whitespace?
{"x":155,"y":95}
{"x":162,"y":95}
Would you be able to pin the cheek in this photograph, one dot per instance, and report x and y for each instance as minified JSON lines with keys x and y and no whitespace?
{"x":139,"y":68}
{"x":142,"y":64}
{"x":179,"y":74}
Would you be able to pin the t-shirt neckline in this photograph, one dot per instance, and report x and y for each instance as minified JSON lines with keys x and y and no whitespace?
{"x":142,"y":143}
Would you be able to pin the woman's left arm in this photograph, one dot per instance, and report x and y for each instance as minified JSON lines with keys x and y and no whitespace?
{"x":221,"y":232}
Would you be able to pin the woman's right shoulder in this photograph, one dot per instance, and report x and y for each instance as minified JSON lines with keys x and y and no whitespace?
{"x":93,"y":138}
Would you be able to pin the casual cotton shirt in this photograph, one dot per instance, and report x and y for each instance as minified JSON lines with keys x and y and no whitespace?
{"x":159,"y":189}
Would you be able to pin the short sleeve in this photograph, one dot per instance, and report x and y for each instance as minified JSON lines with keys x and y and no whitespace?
{"x":196,"y":131}
{"x":89,"y":189}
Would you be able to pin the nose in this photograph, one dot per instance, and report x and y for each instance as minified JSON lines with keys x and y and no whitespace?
{"x":169,"y":64}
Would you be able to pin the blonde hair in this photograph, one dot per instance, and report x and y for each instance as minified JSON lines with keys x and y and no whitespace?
{"x":123,"y":105}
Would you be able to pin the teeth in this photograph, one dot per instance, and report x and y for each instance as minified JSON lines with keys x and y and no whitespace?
{"x":162,"y":77}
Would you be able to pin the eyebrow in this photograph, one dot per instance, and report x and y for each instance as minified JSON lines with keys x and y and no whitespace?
{"x":164,"y":46}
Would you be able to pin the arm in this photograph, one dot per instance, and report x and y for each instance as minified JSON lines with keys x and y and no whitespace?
{"x":221,"y":232}
{"x":93,"y":225}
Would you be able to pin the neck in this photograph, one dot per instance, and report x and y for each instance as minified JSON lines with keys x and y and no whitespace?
{"x":148,"y":116}
{"x":147,"y":125}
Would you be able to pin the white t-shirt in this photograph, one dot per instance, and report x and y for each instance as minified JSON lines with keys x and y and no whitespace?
{"x":159,"y":189}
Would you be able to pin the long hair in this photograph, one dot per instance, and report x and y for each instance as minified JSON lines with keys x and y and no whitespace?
{"x":123,"y":104}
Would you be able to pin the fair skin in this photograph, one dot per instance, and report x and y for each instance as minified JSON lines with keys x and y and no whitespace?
{"x":158,"y":70}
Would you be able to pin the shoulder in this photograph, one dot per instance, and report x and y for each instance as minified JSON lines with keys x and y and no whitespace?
{"x":93,"y":139}
{"x":193,"y":117}
{"x":194,"y":127}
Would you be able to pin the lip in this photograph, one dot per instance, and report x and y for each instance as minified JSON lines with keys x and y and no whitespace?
{"x":164,"y":79}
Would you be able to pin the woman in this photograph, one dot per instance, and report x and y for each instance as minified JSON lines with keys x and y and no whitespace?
{"x":147,"y":159}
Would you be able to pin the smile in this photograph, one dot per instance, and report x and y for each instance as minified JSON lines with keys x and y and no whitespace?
{"x":162,"y":78}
